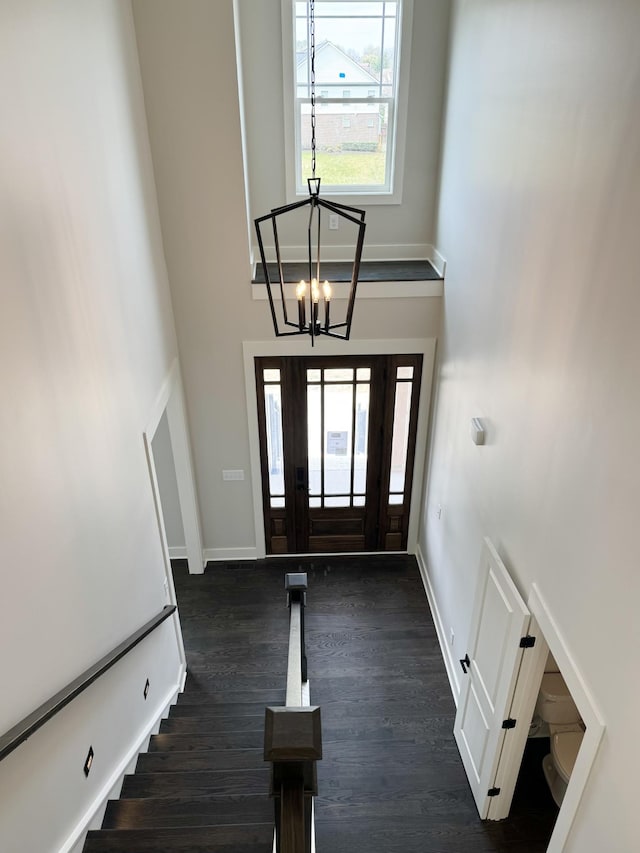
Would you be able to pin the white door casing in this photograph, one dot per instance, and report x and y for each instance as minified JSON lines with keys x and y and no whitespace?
{"x":500,"y":620}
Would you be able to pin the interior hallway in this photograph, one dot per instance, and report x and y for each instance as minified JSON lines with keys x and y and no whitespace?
{"x":391,"y":779}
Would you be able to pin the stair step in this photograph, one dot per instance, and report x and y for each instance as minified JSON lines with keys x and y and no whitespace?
{"x":219,"y":707}
{"x":181,"y":811}
{"x":273,"y":696}
{"x":201,"y":679}
{"x":255,"y":838}
{"x":188,"y":741}
{"x":201,"y":759}
{"x":217,"y":724}
{"x":197,"y":783}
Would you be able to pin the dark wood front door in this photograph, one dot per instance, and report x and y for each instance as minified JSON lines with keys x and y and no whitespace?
{"x":337,"y":440}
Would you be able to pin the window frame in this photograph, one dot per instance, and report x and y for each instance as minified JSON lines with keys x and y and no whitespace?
{"x":357,"y":195}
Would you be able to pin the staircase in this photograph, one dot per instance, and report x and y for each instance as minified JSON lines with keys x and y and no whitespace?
{"x":202,"y":786}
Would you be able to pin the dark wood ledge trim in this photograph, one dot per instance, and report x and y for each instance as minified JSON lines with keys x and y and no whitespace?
{"x":369,"y":271}
{"x":26,"y":727}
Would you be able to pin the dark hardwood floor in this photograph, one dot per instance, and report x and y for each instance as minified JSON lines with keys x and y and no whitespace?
{"x":391,"y":780}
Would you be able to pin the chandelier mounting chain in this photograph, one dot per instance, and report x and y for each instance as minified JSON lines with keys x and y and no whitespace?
{"x":308,"y":294}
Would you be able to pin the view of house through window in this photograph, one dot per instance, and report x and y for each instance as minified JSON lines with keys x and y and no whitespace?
{"x":356,"y":63}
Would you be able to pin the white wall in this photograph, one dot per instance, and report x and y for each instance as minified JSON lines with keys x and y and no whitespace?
{"x":410,"y":223}
{"x":538,"y":220}
{"x":168,"y":485}
{"x":86,"y":340}
{"x":188,"y":63}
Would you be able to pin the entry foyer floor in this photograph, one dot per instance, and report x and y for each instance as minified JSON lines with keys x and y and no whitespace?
{"x":391,"y":780}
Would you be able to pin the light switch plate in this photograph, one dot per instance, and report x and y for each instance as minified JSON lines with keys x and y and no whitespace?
{"x":234,"y":474}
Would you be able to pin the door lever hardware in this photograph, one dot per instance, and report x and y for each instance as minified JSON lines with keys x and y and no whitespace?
{"x":465,"y":663}
{"x":300,"y":479}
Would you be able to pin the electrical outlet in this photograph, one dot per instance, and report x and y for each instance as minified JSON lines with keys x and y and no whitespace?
{"x":333,"y":221}
{"x":88,"y":761}
{"x":146,"y":688}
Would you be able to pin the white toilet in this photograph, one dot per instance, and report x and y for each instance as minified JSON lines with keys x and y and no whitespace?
{"x":556,"y":707}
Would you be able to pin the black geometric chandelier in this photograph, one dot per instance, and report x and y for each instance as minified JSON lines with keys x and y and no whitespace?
{"x":303,"y":315}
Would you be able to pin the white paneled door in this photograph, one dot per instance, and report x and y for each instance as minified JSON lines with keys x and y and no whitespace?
{"x":496,"y":641}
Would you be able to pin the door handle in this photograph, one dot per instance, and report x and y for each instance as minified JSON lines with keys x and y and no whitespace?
{"x":301,"y":480}
{"x":464,"y":663}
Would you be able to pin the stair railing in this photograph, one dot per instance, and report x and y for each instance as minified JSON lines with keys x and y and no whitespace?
{"x":36,"y":719}
{"x":293,"y":738}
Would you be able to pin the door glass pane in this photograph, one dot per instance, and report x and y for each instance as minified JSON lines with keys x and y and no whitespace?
{"x":363,"y":374}
{"x":342,"y":500}
{"x":271,"y":374}
{"x":399,"y":444}
{"x":313,"y":375}
{"x":314,"y":439}
{"x":273,"y":419}
{"x":358,"y":500}
{"x":277,"y":503}
{"x":360,"y":442}
{"x":338,"y":374}
{"x":338,"y":414}
{"x":396,"y":499}
{"x":315,"y":502}
{"x":405,"y":373}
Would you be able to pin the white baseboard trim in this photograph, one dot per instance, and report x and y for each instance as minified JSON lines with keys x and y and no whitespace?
{"x":177,"y":552}
{"x":449,"y":662}
{"x":114,"y":783}
{"x":216,"y":555}
{"x":437,"y":261}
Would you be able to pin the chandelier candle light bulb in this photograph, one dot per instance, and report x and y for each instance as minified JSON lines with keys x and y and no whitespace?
{"x":301,"y":292}
{"x":315,"y":298}
{"x":326,"y":289}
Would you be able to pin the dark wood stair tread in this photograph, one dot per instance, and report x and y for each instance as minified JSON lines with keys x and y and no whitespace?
{"x":201,"y":759}
{"x":146,"y":813}
{"x":237,"y":700}
{"x":196,"y":740}
{"x":254,"y":838}
{"x":220,"y":707}
{"x":197,"y":783}
{"x":210,"y":724}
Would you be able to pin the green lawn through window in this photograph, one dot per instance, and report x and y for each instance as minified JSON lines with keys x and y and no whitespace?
{"x":346,"y":167}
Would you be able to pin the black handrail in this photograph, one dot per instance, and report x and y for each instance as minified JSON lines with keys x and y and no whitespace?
{"x":31,"y":723}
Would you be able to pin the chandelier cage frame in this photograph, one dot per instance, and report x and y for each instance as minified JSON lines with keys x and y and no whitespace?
{"x":308,"y":298}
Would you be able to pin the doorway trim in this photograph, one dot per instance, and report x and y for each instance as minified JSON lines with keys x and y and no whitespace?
{"x":171,"y":399}
{"x":252,"y":349}
{"x":549,"y":638}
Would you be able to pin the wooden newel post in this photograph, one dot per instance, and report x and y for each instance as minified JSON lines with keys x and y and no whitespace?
{"x":293,"y":744}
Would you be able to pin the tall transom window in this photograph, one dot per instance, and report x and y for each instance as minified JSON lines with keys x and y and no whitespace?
{"x":359,"y":94}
